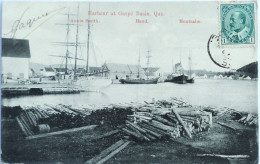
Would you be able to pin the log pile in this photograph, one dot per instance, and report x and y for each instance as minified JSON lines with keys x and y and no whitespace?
{"x":67,"y":116}
{"x":249,"y":119}
{"x":171,"y":122}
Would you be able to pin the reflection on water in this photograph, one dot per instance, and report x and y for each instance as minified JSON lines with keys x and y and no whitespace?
{"x":237,"y":94}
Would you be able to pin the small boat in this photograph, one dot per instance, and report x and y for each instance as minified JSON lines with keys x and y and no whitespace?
{"x":191,"y":80}
{"x":179,"y":79}
{"x":139,"y":81}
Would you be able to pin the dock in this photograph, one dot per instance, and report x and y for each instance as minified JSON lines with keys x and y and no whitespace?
{"x":19,"y":91}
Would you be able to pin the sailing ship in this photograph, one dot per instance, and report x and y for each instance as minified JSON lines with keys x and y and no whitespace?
{"x":86,"y":80}
{"x":140,"y":80}
{"x":177,"y":77}
{"x":190,"y":79}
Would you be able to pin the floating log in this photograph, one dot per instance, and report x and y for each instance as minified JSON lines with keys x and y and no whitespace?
{"x":182,"y":123}
{"x":114,"y":153}
{"x":105,"y":152}
{"x":61,"y":132}
{"x":223,"y":156}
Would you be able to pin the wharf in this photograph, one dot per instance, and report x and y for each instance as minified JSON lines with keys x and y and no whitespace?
{"x":37,"y":90}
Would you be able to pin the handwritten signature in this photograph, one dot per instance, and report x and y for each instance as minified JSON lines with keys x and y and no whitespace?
{"x":19,"y":24}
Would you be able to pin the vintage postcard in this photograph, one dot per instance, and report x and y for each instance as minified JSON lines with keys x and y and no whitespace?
{"x":129,"y":82}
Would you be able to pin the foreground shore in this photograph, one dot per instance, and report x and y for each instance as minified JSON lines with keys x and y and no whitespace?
{"x":81,"y":146}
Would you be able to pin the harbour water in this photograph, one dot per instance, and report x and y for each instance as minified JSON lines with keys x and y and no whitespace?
{"x":237,"y":94}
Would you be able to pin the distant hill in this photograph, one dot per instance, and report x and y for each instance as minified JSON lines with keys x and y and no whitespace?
{"x":249,"y":69}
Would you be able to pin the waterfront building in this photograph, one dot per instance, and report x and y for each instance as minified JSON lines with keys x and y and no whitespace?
{"x":114,"y":71}
{"x":15,"y":59}
{"x":152,"y":71}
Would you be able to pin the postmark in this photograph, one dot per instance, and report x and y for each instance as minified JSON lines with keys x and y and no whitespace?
{"x":219,"y":56}
{"x":237,"y":24}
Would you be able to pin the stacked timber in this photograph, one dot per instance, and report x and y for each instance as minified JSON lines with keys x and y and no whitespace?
{"x":149,"y":126}
{"x":31,"y":119}
{"x":249,"y":119}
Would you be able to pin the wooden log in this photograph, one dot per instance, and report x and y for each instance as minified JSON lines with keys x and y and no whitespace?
{"x":160,"y":125}
{"x":105,"y":152}
{"x":141,"y":117}
{"x":131,"y":133}
{"x":113,"y":132}
{"x":242,"y":119}
{"x":154,"y":129}
{"x":225,"y":125}
{"x":182,"y":123}
{"x":164,"y":121}
{"x":135,"y":126}
{"x":22,"y":127}
{"x":25,"y":125}
{"x":223,"y":156}
{"x":151,"y":132}
{"x":61,"y":132}
{"x":138,"y":132}
{"x":172,"y":119}
{"x":113,"y":153}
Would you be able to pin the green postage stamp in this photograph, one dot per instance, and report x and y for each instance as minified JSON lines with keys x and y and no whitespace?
{"x":237,"y":24}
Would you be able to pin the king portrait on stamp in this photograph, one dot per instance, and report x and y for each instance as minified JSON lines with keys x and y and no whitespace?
{"x":237,"y":22}
{"x":238,"y":29}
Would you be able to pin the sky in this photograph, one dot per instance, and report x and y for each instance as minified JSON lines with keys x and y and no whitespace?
{"x":119,"y":39}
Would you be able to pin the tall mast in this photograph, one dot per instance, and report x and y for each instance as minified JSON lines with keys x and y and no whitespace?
{"x":67,"y":39}
{"x":190,"y":61}
{"x":68,"y":24}
{"x":148,"y":60}
{"x":138,"y":64}
{"x":87,"y":67}
{"x":76,"y":49}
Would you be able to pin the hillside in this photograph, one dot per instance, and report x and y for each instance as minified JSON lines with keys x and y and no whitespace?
{"x":249,"y":69}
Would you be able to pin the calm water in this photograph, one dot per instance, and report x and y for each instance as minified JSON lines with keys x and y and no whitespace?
{"x":238,"y":94}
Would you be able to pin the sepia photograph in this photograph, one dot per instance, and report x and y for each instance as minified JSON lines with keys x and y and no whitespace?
{"x":129,"y":82}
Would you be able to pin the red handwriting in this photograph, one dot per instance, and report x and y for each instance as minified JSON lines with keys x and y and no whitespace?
{"x":189,"y":21}
{"x":140,"y":15}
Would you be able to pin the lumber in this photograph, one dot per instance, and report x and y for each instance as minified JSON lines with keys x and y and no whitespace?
{"x":223,"y":156}
{"x":225,"y":125}
{"x":132,"y":133}
{"x":152,"y":132}
{"x":113,"y":153}
{"x":135,"y":126}
{"x":138,"y":132}
{"x":113,"y":132}
{"x":182,"y":123}
{"x":105,"y":152}
{"x":61,"y":132}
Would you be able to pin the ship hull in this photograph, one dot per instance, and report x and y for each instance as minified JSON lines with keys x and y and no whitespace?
{"x":139,"y":81}
{"x":182,"y":79}
{"x":190,"y":80}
